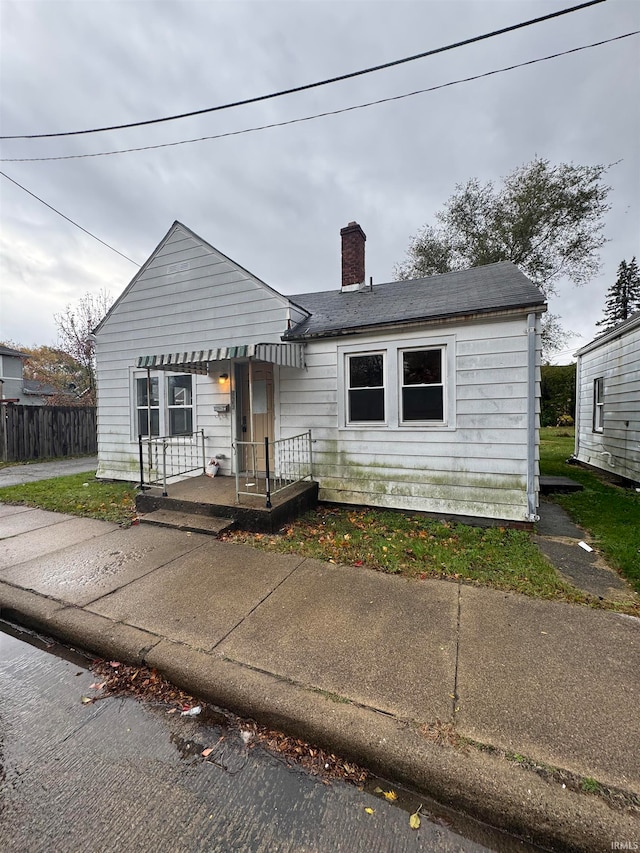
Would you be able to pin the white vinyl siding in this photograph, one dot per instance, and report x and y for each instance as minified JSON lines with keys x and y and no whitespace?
{"x":474,"y":463}
{"x":186,"y":297}
{"x":615,"y":447}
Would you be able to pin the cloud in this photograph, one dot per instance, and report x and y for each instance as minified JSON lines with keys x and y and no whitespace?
{"x":275,"y":201}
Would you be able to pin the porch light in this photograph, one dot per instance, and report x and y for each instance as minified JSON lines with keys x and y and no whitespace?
{"x":223,"y":378}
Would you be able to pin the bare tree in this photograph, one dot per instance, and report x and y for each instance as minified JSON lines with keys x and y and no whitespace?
{"x":75,"y":334}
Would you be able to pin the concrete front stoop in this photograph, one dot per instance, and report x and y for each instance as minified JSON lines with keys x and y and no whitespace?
{"x":189,"y":522}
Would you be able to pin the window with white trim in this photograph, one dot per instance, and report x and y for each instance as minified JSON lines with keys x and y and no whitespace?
{"x":179,"y":405}
{"x":422,"y":385}
{"x":147,"y":406}
{"x":365,"y":388}
{"x":598,"y":404}
{"x":165,"y":401}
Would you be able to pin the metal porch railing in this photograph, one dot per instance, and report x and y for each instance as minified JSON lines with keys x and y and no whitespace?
{"x":268,"y":467}
{"x":170,"y":456}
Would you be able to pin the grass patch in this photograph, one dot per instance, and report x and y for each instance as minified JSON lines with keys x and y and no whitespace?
{"x":76,"y":494}
{"x":610,"y":513}
{"x":417,"y":547}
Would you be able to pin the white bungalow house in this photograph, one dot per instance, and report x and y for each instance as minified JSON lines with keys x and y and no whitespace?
{"x":418,"y":395}
{"x":608,"y":401}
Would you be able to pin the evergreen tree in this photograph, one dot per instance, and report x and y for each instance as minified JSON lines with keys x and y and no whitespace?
{"x":623,"y":297}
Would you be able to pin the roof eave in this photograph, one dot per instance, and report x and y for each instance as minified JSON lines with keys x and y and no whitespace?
{"x":625,"y":327}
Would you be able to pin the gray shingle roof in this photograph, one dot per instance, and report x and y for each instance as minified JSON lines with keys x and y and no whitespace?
{"x":8,"y":351}
{"x":493,"y":287}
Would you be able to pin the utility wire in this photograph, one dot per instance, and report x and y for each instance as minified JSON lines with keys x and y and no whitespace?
{"x":46,"y":204}
{"x":319,"y":115}
{"x":318,"y":83}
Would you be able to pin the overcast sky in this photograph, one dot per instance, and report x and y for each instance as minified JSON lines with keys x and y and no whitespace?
{"x":275,"y":200}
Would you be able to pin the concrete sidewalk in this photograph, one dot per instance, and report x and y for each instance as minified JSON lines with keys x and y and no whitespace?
{"x":376,"y":667}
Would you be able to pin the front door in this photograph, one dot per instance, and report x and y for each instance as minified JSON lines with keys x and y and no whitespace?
{"x":254,"y":388}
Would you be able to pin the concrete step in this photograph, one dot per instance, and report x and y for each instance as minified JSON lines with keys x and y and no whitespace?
{"x":209,"y":524}
{"x":550,"y":484}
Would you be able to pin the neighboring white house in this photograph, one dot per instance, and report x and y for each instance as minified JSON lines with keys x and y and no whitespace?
{"x":608,"y":401}
{"x":419,"y":395}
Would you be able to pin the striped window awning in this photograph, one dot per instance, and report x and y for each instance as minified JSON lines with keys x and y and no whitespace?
{"x":197,"y":361}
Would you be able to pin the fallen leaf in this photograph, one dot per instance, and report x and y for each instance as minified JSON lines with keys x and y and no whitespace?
{"x":390,"y":795}
{"x":378,"y":791}
{"x":206,"y":752}
{"x":87,"y":700}
{"x":414,"y":820}
{"x":370,"y":811}
{"x":115,"y":664}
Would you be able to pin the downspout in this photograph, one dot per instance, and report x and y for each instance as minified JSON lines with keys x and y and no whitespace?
{"x":576,"y":420}
{"x":531,"y":418}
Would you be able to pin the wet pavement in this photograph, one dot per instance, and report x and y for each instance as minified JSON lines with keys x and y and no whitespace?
{"x":16,"y":475}
{"x":558,"y":538}
{"x":368,"y":665}
{"x":122,"y":775}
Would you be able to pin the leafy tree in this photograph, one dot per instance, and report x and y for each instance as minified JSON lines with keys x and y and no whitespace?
{"x":75,"y":331}
{"x":547,"y":219}
{"x":56,"y":368}
{"x":558,"y":393}
{"x":623,"y":297}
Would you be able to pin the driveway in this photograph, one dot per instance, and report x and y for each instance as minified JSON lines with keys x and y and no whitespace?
{"x":16,"y":475}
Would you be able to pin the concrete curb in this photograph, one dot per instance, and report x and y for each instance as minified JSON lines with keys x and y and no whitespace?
{"x":477,"y":783}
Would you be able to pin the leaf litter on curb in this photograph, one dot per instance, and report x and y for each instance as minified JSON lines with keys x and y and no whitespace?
{"x":119,"y":679}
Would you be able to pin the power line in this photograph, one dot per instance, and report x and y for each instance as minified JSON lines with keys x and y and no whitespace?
{"x":319,"y":115}
{"x":46,"y":204}
{"x":318,"y":83}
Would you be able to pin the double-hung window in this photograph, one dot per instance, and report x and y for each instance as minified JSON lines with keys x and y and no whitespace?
{"x":147,"y":405}
{"x":598,"y":404}
{"x":365,"y":388}
{"x":179,"y":406}
{"x":422,"y":385}
{"x":164,"y":405}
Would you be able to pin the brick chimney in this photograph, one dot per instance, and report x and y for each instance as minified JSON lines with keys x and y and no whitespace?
{"x":353,"y":238}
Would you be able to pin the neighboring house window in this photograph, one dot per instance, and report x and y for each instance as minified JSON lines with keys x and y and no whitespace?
{"x":148,"y":407}
{"x":169,"y":405}
{"x":422,"y":385}
{"x":598,"y":404}
{"x":179,"y":405}
{"x":365,"y":388}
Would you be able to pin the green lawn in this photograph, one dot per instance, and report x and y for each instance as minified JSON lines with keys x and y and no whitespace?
{"x":76,"y":494}
{"x":610,"y":513}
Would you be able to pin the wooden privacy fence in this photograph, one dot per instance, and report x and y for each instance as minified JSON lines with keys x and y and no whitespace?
{"x":41,"y":432}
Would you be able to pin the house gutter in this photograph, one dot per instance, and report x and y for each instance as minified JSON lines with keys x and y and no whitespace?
{"x":531,"y":418}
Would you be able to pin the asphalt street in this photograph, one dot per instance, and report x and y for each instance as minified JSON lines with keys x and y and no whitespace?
{"x":122,"y":775}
